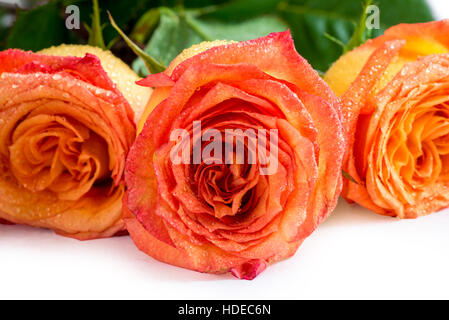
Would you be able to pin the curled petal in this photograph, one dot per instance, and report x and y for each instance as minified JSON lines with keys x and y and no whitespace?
{"x":156,"y":81}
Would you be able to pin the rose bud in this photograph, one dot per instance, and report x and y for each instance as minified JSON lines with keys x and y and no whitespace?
{"x":65,"y":130}
{"x":191,"y":201}
{"x":395,"y":93}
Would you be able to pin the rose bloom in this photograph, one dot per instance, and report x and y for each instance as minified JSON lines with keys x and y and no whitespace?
{"x":65,"y":131}
{"x":395,"y":92}
{"x":219,"y":218}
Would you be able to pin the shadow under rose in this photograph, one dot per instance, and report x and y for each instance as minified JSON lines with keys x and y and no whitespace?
{"x":352,"y":214}
{"x":117,"y":253}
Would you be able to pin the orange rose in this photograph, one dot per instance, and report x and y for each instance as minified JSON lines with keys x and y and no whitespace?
{"x":395,"y":92}
{"x":215,"y":216}
{"x":65,"y":131}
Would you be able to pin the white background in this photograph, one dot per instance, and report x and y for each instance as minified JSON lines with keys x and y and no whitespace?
{"x":354,"y":255}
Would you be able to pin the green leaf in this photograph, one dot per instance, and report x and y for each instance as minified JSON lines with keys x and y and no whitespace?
{"x":146,"y":25}
{"x":310,"y":20}
{"x":38,"y":29}
{"x":3,"y":27}
{"x":180,"y":29}
{"x":242,"y":30}
{"x":151,"y":64}
{"x":240,"y":9}
{"x":170,"y":38}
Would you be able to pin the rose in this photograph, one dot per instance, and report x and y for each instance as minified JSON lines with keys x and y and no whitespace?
{"x":65,"y":131}
{"x":395,"y":100}
{"x":222,"y":217}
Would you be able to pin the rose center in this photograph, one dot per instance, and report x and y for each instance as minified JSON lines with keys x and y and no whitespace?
{"x":230,"y":189}
{"x":419,"y":144}
{"x":58,"y":154}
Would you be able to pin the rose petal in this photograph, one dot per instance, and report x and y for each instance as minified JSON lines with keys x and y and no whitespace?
{"x":249,"y":270}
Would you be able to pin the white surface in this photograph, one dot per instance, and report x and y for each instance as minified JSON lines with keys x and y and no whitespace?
{"x":440,"y":8}
{"x":355,"y":254}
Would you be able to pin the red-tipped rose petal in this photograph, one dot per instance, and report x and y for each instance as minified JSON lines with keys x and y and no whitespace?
{"x":5,"y":222}
{"x":249,"y":270}
{"x":275,"y":54}
{"x":156,"y":81}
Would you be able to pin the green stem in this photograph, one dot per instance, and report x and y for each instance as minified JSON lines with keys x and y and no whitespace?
{"x":152,"y":64}
{"x":96,"y":31}
{"x":203,"y":11}
{"x":359,"y":36}
{"x":195,"y":27}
